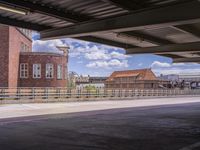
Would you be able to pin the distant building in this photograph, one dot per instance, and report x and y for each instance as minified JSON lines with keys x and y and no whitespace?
{"x":183,"y":80}
{"x":97,"y":80}
{"x":81,"y":81}
{"x":181,"y":77}
{"x":170,"y":77}
{"x":134,"y":79}
{"x":189,"y":77}
{"x":20,"y":67}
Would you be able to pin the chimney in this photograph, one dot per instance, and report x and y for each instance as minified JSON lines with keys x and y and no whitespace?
{"x":65,"y":49}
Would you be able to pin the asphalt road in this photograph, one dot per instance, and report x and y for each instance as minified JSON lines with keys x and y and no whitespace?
{"x":170,"y":127}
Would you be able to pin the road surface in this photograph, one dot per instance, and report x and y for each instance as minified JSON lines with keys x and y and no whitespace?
{"x":148,"y":127}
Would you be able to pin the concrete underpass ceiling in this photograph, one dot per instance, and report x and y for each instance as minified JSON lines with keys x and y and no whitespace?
{"x":123,"y":23}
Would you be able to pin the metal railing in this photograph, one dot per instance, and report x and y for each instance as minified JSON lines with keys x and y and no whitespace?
{"x":65,"y":93}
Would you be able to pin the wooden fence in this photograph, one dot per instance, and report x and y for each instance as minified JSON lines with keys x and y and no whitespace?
{"x":65,"y":93}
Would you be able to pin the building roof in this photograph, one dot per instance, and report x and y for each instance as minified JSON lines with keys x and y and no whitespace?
{"x":162,"y":27}
{"x":127,"y":75}
{"x":143,"y":74}
{"x":41,"y":53}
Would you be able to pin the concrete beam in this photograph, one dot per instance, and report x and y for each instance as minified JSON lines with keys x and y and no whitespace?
{"x":189,"y":29}
{"x":126,"y":4}
{"x":173,"y":56}
{"x":148,"y":38}
{"x":22,"y":24}
{"x":187,"y":60}
{"x":160,"y":17}
{"x":47,"y":10}
{"x":165,"y":49}
{"x":105,"y":41}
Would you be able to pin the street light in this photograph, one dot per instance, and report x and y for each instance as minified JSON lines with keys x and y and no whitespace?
{"x":14,"y":10}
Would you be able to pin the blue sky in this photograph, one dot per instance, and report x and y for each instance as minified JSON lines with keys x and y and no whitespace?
{"x":93,"y":59}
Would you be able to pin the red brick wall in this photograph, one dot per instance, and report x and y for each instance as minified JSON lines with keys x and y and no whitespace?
{"x":4,"y":49}
{"x":15,"y":40}
{"x":10,"y":45}
{"x":43,"y":59}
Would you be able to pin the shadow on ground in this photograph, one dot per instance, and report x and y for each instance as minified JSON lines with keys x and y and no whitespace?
{"x":149,"y":128}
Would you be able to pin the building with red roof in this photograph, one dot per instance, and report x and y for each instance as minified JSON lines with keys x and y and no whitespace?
{"x":134,"y":79}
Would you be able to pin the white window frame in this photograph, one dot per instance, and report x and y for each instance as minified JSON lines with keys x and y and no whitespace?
{"x":59,"y":71}
{"x":37,"y":71}
{"x":23,"y":70}
{"x":66,"y":72}
{"x":49,"y":70}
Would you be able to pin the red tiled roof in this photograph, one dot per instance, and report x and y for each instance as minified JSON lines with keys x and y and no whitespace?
{"x":127,"y":75}
{"x":145,"y":74}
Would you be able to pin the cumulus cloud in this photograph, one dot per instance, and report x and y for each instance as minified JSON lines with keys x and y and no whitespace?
{"x":93,"y":51}
{"x":157,"y":64}
{"x":100,"y":54}
{"x":76,"y":47}
{"x":175,"y":68}
{"x":160,"y":64}
{"x":114,"y":63}
{"x":80,"y":62}
{"x":97,"y":55}
{"x":177,"y":71}
{"x":47,"y":46}
{"x":140,"y":64}
{"x":118,"y":55}
{"x":88,"y":50}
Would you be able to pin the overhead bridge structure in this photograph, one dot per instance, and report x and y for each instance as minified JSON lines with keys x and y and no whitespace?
{"x":168,"y":28}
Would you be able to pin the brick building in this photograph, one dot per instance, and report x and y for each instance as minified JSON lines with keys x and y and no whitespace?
{"x":134,"y":79}
{"x":20,"y":67}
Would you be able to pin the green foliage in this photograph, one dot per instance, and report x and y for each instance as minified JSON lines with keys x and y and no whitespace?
{"x":71,"y":84}
{"x":90,"y":88}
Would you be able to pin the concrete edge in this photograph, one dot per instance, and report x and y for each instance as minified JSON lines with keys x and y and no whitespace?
{"x":24,"y":101}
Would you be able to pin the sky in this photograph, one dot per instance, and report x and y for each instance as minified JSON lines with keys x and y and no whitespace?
{"x":87,"y":58}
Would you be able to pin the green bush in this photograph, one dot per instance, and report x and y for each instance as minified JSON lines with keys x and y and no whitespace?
{"x":90,"y":88}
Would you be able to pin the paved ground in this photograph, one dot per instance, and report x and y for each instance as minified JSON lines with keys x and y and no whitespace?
{"x":21,"y":110}
{"x":167,"y":127}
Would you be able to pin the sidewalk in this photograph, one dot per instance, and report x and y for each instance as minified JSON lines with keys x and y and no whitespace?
{"x":22,"y":110}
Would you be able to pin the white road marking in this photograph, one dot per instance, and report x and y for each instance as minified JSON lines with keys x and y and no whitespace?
{"x":191,"y":147}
